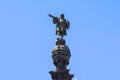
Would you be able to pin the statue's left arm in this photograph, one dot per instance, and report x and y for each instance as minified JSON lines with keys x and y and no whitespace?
{"x":67,"y":24}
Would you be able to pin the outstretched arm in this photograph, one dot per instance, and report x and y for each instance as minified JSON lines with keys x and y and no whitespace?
{"x":55,"y":19}
{"x":51,"y":15}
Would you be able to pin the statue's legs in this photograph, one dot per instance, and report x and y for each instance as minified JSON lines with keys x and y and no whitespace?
{"x":61,"y":36}
{"x":60,"y":30}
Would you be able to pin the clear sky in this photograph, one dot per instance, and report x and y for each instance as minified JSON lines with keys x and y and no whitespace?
{"x":27,"y":37}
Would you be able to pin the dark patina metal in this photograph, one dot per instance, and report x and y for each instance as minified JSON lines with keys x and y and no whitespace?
{"x":61,"y":53}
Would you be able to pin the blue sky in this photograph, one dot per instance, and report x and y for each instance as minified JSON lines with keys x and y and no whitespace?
{"x":27,"y":37}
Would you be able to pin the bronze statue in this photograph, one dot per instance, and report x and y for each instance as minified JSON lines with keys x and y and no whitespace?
{"x":61,"y":25}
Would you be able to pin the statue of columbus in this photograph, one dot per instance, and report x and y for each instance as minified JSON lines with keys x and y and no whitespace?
{"x":61,"y":25}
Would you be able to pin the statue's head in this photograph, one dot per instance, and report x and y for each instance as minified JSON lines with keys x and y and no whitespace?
{"x":62,"y":15}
